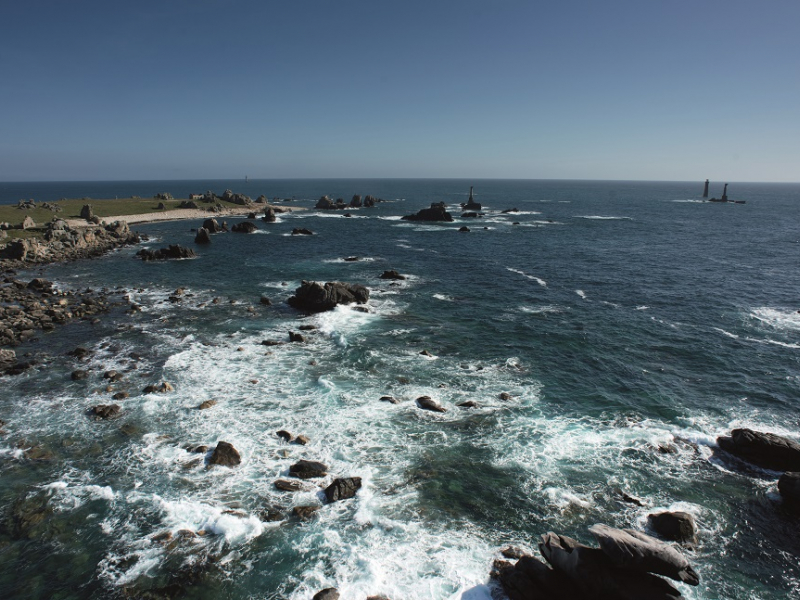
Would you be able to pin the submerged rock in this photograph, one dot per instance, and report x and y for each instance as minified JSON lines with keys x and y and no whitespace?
{"x":789,"y":488}
{"x":302,"y":231}
{"x":394,"y":275}
{"x":766,"y":450}
{"x":225,"y":455}
{"x":314,"y":297}
{"x":342,"y":488}
{"x":174,"y":251}
{"x":105,"y":412}
{"x":244,"y":227}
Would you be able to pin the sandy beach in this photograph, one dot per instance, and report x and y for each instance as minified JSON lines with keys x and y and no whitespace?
{"x":184,"y":214}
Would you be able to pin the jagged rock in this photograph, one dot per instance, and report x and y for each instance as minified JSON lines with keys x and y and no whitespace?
{"x":308,"y":469}
{"x":161,"y":388}
{"x":426,"y":353}
{"x":120,"y":396}
{"x":225,"y":455}
{"x":202,"y":237}
{"x":187,"y":204}
{"x":675,"y":526}
{"x":296,"y":337}
{"x":766,"y":450}
{"x":269,"y":215}
{"x":355,"y":201}
{"x":789,"y":488}
{"x":428,"y":403}
{"x":469,"y":215}
{"x":212,"y":226}
{"x":531,"y":579}
{"x":394,"y":275}
{"x":302,"y":231}
{"x":244,"y":227}
{"x":314,"y":297}
{"x":631,"y":549}
{"x":105,"y":411}
{"x":342,"y":488}
{"x":86,"y":212}
{"x":28,"y":223}
{"x":327,"y":594}
{"x":437,"y":212}
{"x":324,"y":203}
{"x":174,"y":251}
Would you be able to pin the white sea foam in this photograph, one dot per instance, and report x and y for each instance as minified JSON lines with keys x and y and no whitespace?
{"x":541,"y":282}
{"x":778,"y":318}
{"x":444,"y":297}
{"x":539,"y":310}
{"x":603,"y":218}
{"x":581,"y":293}
{"x":727,"y":333}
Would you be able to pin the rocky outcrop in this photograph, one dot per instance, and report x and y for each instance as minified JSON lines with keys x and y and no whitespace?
{"x":188,"y":204}
{"x":342,"y":488}
{"x":313,"y":297}
{"x":212,"y":226}
{"x":244,"y":227}
{"x":225,"y":455}
{"x":105,"y":412}
{"x":269,"y":215}
{"x":766,"y":450}
{"x":173,"y":252}
{"x":302,"y":231}
{"x":86,"y":212}
{"x":28,"y":223}
{"x":202,"y":237}
{"x":355,"y":201}
{"x":437,"y":212}
{"x":324,"y":203}
{"x":463,"y":229}
{"x":327,"y":594}
{"x":674,"y":526}
{"x":239,"y":199}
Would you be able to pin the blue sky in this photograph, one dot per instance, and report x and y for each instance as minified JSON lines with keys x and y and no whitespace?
{"x":660,"y":90}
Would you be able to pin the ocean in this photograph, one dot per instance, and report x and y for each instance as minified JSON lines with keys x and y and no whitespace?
{"x":625,"y":324}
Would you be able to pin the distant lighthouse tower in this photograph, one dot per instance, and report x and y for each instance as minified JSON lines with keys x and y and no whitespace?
{"x":705,"y":190}
{"x":470,"y":201}
{"x":725,"y":193}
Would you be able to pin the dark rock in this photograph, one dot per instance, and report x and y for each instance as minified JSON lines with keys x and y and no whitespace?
{"x":436,"y":212}
{"x":308,"y":469}
{"x":305,"y":512}
{"x":301,"y":440}
{"x":174,"y":251}
{"x":80,"y":352}
{"x":105,"y":412}
{"x":269,"y":215}
{"x":185,"y":204}
{"x":86,"y":212}
{"x":287,"y":485}
{"x":428,"y":403}
{"x":327,"y":594}
{"x":393,"y":275}
{"x":631,"y":549}
{"x":468,"y":404}
{"x":351,"y":259}
{"x":302,"y":231}
{"x":531,"y":579}
{"x":469,"y":215}
{"x":514,"y":552}
{"x":265,"y":301}
{"x":244,"y":227}
{"x":206,"y":404}
{"x":120,"y":396}
{"x":342,"y":488}
{"x":510,"y":210}
{"x":463,"y":229}
{"x":212,"y":226}
{"x":314,"y":297}
{"x":390,"y":399}
{"x":202,"y":237}
{"x":284,"y":435}
{"x":675,"y":526}
{"x":504,"y":396}
{"x":225,"y":455}
{"x":79,"y":375}
{"x":766,"y":450}
{"x":355,"y":201}
{"x":296,"y":337}
{"x":324,"y":203}
{"x":789,"y":488}
{"x":426,"y":353}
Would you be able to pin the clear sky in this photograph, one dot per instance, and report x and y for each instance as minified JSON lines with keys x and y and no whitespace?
{"x":589,"y":89}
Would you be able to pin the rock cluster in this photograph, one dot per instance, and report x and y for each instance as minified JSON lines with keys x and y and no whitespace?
{"x":314,"y":297}
{"x":174,"y":251}
{"x":437,"y":212}
{"x":625,"y":566}
{"x":244,"y":227}
{"x":325,"y":202}
{"x":62,"y":242}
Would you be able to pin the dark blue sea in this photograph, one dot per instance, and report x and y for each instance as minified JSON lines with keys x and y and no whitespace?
{"x":628,"y":323}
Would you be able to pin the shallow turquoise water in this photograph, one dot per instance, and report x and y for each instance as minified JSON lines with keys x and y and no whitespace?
{"x":620,"y":316}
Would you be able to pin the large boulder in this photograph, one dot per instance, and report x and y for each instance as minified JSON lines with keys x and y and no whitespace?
{"x":314,"y":297}
{"x":392,"y":274}
{"x":675,"y":526}
{"x":212,"y":226}
{"x":631,"y":549}
{"x":86,"y":212}
{"x":342,"y":488}
{"x":244,"y":227}
{"x":324,"y":203}
{"x":436,"y":212}
{"x":789,"y":487}
{"x":355,"y":201}
{"x":225,"y":455}
{"x":308,"y":469}
{"x":327,"y":594}
{"x":105,"y":412}
{"x":428,"y":403}
{"x":531,"y":579}
{"x":269,"y":215}
{"x":28,"y":223}
{"x":766,"y":450}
